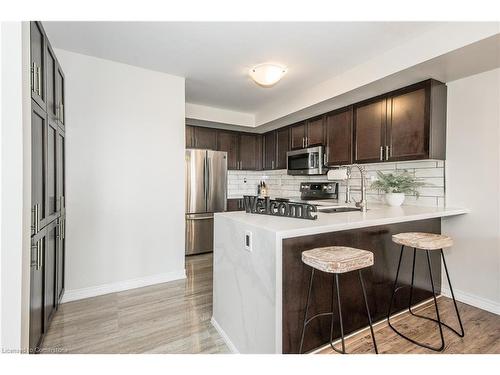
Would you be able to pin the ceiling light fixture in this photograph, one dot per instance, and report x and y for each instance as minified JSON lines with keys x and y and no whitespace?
{"x":267,"y":74}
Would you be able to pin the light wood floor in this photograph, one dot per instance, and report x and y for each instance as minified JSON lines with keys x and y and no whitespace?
{"x":175,"y":318}
{"x":482,"y":332}
{"x":172,"y":317}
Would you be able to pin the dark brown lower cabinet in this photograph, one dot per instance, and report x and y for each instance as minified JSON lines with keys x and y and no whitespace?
{"x":37,"y":298}
{"x":60,"y":259}
{"x":49,"y":266}
{"x":235,"y":204}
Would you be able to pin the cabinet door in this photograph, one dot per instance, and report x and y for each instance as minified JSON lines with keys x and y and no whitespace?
{"x":52,"y":82}
{"x":235,"y":204}
{"x":205,"y":138}
{"x":60,"y":259}
{"x":36,"y":327}
{"x":38,"y":168}
{"x":60,"y":172}
{"x":249,"y":152}
{"x":298,"y":136}
{"x":60,"y":93}
{"x":189,"y":136}
{"x":315,"y":132}
{"x":228,"y":141}
{"x":269,"y":150}
{"x":49,"y":269}
{"x":38,"y":68}
{"x":282,"y":147}
{"x":408,"y":126}
{"x":369,"y":131}
{"x":52,"y":180}
{"x":339,"y":137}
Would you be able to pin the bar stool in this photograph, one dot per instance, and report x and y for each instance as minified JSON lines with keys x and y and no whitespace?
{"x":336,"y":260}
{"x":427,"y":242}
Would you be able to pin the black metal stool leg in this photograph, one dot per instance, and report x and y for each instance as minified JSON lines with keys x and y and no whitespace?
{"x":412,"y":279}
{"x":337,"y":284}
{"x":462,"y":334}
{"x":367,"y":310}
{"x":395,"y":287}
{"x":307,"y":308}
{"x":436,"y":305}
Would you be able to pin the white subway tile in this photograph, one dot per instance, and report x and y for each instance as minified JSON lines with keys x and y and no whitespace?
{"x":429,"y":172}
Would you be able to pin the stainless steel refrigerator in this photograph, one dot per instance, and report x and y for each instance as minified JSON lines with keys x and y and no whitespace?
{"x":206,"y":193}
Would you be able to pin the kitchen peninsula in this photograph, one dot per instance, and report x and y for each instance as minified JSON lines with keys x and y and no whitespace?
{"x":260,"y":282}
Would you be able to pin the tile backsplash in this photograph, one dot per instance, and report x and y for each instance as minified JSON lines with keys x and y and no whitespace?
{"x":279,"y":184}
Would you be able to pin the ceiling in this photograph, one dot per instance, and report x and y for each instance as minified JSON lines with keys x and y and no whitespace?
{"x":215,"y":56}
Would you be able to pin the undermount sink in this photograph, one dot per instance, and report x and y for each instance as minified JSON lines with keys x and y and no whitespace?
{"x":331,"y":210}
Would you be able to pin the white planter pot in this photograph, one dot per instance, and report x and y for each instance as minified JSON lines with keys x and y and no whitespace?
{"x":394,"y":199}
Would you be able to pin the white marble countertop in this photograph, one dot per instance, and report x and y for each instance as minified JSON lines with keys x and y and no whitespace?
{"x":331,"y":222}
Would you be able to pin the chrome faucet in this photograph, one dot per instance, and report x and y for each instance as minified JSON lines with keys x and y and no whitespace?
{"x":362,"y":204}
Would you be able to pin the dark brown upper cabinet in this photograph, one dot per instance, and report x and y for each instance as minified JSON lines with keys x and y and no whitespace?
{"x":270,"y":150}
{"x":315,"y":132}
{"x":229,"y":141}
{"x":338,"y":145}
{"x":52,"y":180}
{"x":250,"y":150}
{"x":406,"y":124}
{"x":282,"y":147}
{"x":308,"y":133}
{"x":369,"y":131}
{"x":416,"y":122}
{"x":60,"y":172}
{"x":51,"y":75}
{"x":189,"y":136}
{"x":298,"y":136}
{"x":38,"y":61}
{"x":39,"y":125}
{"x":205,"y":138}
{"x":60,"y":95}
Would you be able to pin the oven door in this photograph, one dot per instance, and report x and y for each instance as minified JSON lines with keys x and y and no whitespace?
{"x":308,"y":161}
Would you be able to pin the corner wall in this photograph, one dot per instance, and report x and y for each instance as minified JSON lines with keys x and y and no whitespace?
{"x":124,"y":176}
{"x":473,"y":181}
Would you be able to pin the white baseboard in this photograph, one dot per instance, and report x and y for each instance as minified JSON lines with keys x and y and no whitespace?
{"x":470,"y":299}
{"x":224,"y":336}
{"x":76,"y":294}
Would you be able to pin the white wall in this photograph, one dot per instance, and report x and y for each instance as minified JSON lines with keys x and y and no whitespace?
{"x":125,"y":176}
{"x":473,"y":181}
{"x":15,"y":186}
{"x":219,"y":115}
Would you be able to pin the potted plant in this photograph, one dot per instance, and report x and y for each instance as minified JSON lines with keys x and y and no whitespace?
{"x":396,"y":185}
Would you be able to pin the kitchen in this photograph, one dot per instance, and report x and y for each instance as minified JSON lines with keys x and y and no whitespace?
{"x":255,"y":204}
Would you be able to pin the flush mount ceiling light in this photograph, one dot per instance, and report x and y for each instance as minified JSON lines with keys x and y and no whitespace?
{"x":267,"y":75}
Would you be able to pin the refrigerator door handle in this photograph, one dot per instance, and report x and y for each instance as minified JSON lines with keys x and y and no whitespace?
{"x":208,"y":185}
{"x":205,"y":180}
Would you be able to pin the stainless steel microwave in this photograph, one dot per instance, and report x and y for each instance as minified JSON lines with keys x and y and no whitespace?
{"x":307,"y":161}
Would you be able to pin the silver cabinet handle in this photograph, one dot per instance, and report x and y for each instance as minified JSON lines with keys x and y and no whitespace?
{"x":272,"y":164}
{"x":61,"y":106}
{"x":34,"y":263}
{"x":326,"y":156}
{"x":39,"y":76}
{"x":64,"y":228}
{"x":381,"y":152}
{"x":36,"y":218}
{"x":307,"y":141}
{"x":303,"y":142}
{"x":38,"y":256}
{"x":386,"y":152}
{"x":41,"y":253}
{"x":33,"y":72}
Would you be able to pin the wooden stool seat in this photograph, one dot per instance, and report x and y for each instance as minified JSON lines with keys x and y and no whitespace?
{"x":425,"y":241}
{"x":337,"y":259}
